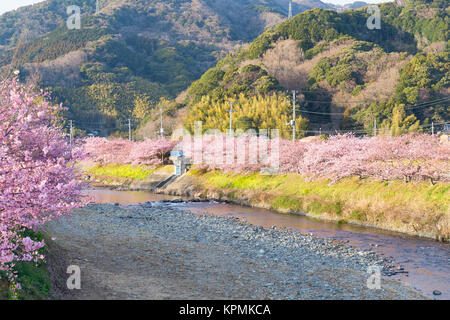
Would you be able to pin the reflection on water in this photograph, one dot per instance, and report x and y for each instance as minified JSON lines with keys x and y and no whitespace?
{"x":425,"y":260}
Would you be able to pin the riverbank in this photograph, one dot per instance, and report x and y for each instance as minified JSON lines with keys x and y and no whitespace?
{"x":157,"y":250}
{"x":415,"y":208}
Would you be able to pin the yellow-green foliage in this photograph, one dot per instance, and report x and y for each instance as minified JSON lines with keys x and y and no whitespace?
{"x":410,"y":207}
{"x":258,"y":112}
{"x":400,"y":123}
{"x":121,"y":171}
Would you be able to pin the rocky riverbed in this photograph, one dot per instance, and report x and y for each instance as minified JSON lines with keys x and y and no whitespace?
{"x":157,"y":250}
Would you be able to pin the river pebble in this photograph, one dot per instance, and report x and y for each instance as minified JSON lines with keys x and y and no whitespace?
{"x":265,"y":263}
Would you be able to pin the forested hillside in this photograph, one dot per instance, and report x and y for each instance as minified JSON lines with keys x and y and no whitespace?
{"x":130,"y":53}
{"x":348,"y":76}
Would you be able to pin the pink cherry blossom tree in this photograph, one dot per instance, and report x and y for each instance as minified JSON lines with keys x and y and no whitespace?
{"x":102,"y":150}
{"x":151,"y":151}
{"x":121,"y":151}
{"x":38,"y":180}
{"x":408,"y":157}
{"x":335,"y":158}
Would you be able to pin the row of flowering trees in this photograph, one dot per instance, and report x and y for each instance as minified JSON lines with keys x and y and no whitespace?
{"x":121,"y":151}
{"x":407,"y":157}
{"x":38,"y":181}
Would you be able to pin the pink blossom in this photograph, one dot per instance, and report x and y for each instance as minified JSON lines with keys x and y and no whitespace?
{"x":38,"y":180}
{"x":147,"y":152}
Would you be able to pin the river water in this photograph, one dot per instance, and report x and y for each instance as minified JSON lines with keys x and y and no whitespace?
{"x":425,"y":261}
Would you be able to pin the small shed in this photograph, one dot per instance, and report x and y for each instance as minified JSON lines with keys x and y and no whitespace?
{"x":180,"y":162}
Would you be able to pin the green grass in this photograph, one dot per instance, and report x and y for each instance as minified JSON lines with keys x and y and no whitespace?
{"x":397,"y":192}
{"x":121,"y":171}
{"x":285,"y":202}
{"x":34,"y":278}
{"x":416,"y":207}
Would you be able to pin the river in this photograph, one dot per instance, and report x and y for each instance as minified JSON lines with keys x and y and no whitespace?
{"x":425,"y":261}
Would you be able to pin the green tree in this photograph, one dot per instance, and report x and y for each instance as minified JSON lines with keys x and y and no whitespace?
{"x":142,"y":107}
{"x":257,"y":112}
{"x":400,"y":123}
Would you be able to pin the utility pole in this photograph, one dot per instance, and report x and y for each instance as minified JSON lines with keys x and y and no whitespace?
{"x":161,"y":130}
{"x":294,"y":121}
{"x":290,"y":9}
{"x":432,"y":128}
{"x":129,"y":129}
{"x":231,"y":115}
{"x":71,"y":132}
{"x":97,"y":9}
{"x":375,"y":127}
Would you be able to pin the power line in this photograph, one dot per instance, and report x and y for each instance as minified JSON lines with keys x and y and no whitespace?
{"x":423,"y":105}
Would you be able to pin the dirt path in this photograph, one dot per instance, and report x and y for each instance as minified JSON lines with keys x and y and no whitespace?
{"x":157,"y":251}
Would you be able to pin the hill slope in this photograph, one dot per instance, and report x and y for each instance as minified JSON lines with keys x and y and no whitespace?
{"x":348,"y":76}
{"x":131,"y":52}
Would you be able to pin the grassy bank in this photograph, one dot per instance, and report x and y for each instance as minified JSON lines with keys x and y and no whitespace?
{"x":125,"y":176}
{"x":415,"y":207}
{"x":121,"y":171}
{"x":34,"y":279}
